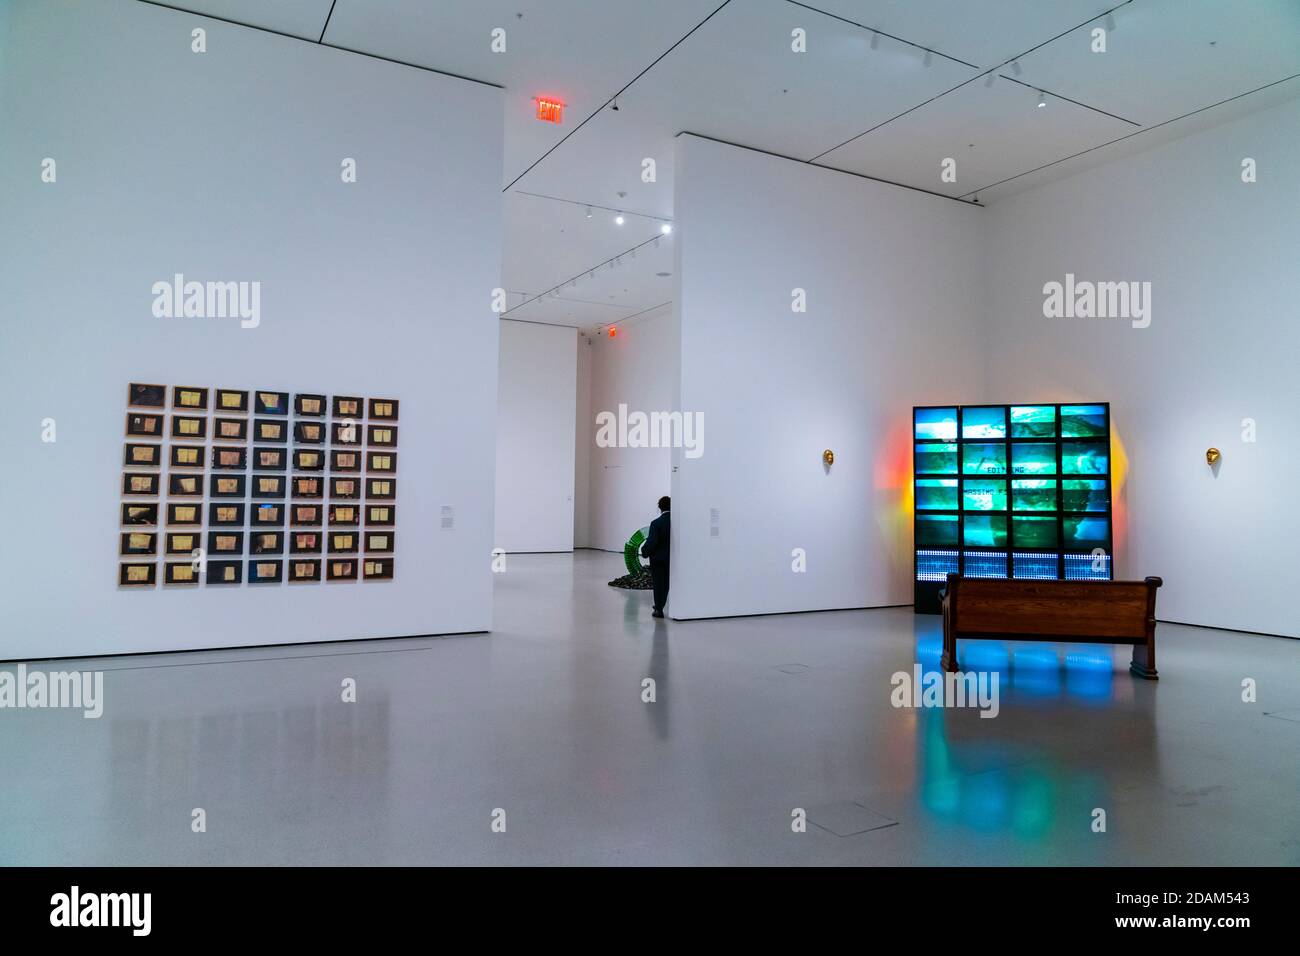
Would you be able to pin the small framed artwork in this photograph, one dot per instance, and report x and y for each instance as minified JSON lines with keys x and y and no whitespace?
{"x":264,"y":430}
{"x":344,"y":542}
{"x":266,"y":516}
{"x":308,"y":486}
{"x":305,"y":542}
{"x":269,"y":459}
{"x":225,"y":572}
{"x":342,"y":569}
{"x":142,"y":456}
{"x":224,"y":515}
{"x":345,"y":407}
{"x":139,"y":484}
{"x":308,"y":459}
{"x":306,"y":516}
{"x":344,"y":515}
{"x":268,"y":486}
{"x":383,"y":409}
{"x":266,"y":542}
{"x":309,"y":405}
{"x":377,"y":569}
{"x":265,"y":572}
{"x":225,"y":542}
{"x":345,"y":433}
{"x":346,"y":488}
{"x":379,"y":542}
{"x":380,"y":516}
{"x":232,"y":401}
{"x":189,"y":398}
{"x":180,"y":572}
{"x":146,"y":396}
{"x":187,"y":456}
{"x":345,"y":460}
{"x":227,"y":486}
{"x":230,"y":429}
{"x":381,"y":461}
{"x":183,"y":542}
{"x":229,"y":458}
{"x":304,"y":570}
{"x":137,"y":574}
{"x":309,"y":433}
{"x":184,"y":515}
{"x":271,"y":403}
{"x":147,"y":425}
{"x":138,"y":542}
{"x":381,"y":489}
{"x":139,"y":515}
{"x":385,"y":436}
{"x":185,"y":486}
{"x":189,"y":426}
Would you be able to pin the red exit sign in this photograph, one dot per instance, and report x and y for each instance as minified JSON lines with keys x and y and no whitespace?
{"x":550,"y":110}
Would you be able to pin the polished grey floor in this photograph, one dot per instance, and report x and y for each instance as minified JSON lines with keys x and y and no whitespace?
{"x":544,"y":719}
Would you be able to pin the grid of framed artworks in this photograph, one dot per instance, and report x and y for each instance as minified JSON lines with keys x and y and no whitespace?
{"x":223,"y":487}
{"x":1010,"y":491}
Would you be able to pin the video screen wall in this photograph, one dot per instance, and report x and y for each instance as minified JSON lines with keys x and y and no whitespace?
{"x":234,"y":486}
{"x":1010,"y":491}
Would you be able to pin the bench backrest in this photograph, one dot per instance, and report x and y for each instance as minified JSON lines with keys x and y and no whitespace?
{"x":1067,"y":608}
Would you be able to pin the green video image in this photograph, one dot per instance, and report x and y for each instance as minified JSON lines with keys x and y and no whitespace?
{"x":1084,"y":458}
{"x":984,"y":459}
{"x":1033,"y":459}
{"x":936,"y":531}
{"x":1033,"y":421}
{"x":1085,"y":533}
{"x":936,"y":494}
{"x":985,"y":531}
{"x":1083,"y":421}
{"x":938,"y":459}
{"x":1034,"y":532}
{"x":1084,"y":494}
{"x":984,"y":494}
{"x":1033,"y":494}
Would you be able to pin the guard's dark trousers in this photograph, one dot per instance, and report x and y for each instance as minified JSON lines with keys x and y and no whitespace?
{"x":659,"y":575}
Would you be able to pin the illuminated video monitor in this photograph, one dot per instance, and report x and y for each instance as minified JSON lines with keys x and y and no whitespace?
{"x":1033,"y":421}
{"x":939,"y":424}
{"x":984,"y":458}
{"x":938,"y":459}
{"x":936,"y":494}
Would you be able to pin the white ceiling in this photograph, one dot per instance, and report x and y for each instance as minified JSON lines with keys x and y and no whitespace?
{"x":871,"y":107}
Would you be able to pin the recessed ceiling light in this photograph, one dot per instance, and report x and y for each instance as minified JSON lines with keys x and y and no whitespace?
{"x":666,"y":228}
{"x":618,"y":220}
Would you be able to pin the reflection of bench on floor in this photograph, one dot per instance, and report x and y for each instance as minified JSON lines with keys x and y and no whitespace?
{"x":1105,"y":612}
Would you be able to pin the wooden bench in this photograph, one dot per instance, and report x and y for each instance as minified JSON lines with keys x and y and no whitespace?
{"x":1109,"y":612}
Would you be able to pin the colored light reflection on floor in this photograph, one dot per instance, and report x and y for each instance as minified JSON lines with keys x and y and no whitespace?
{"x":1085,"y":671}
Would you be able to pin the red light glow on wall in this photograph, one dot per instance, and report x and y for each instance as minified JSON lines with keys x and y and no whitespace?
{"x":550,"y":110}
{"x":613,"y":332}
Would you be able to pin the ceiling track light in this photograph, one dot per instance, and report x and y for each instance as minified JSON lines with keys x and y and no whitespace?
{"x":588,"y":212}
{"x":1015,"y":67}
{"x":1042,"y":99}
{"x":929,"y":58}
{"x":875,"y":40}
{"x":988,"y":80}
{"x":619,"y":219}
{"x":1110,"y":23}
{"x":656,"y":242}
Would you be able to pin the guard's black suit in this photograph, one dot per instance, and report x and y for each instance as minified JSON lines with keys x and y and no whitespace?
{"x":656,"y":549}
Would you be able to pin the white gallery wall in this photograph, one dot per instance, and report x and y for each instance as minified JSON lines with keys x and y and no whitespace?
{"x":637,"y":368}
{"x":1222,"y":347}
{"x":893,"y":285}
{"x":226,"y":166}
{"x":582,"y":445}
{"x":536,"y":424}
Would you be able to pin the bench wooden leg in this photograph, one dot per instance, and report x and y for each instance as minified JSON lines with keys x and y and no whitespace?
{"x":1144,"y":661}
